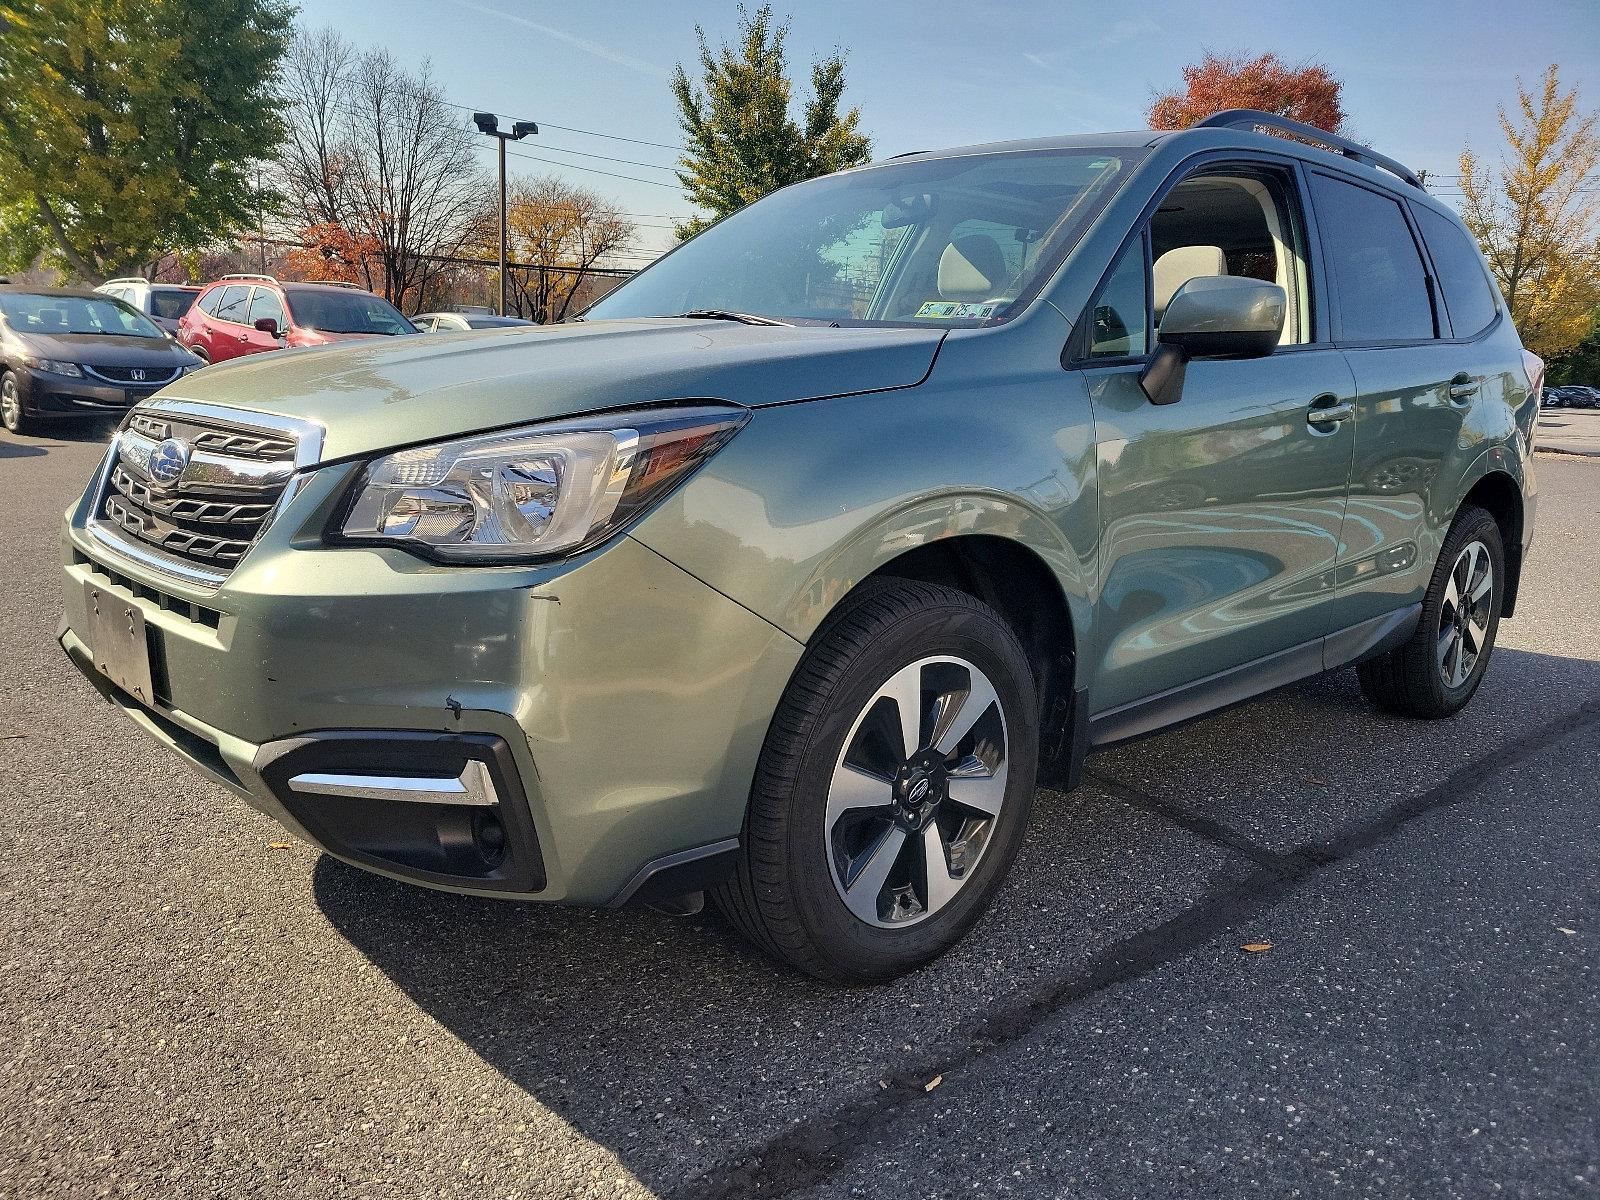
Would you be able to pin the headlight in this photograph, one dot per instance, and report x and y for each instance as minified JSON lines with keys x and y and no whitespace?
{"x":545,"y":490}
{"x":56,"y":367}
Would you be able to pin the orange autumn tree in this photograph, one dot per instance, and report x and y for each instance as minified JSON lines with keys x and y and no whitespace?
{"x":1308,"y":93}
{"x":330,"y":251}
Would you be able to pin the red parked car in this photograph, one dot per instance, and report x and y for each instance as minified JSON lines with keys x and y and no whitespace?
{"x":246,"y":314}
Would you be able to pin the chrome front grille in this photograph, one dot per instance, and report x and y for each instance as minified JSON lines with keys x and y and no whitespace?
{"x":151,"y":377}
{"x":188,"y":488}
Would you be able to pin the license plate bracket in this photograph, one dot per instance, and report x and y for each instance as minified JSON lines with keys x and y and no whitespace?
{"x":118,"y":642}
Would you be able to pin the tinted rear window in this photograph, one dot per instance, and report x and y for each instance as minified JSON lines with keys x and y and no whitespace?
{"x":346,"y":312}
{"x":1380,"y":289}
{"x":170,"y":303}
{"x":1468,"y":294}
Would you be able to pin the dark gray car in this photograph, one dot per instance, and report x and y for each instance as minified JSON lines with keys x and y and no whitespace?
{"x":67,"y":353}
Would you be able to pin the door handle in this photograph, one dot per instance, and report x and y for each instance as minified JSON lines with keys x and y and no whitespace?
{"x":1463,"y":387}
{"x":1329,"y":411}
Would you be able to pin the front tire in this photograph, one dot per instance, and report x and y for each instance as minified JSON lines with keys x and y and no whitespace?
{"x":12,"y":415}
{"x":893,"y":790}
{"x":1434,"y":674}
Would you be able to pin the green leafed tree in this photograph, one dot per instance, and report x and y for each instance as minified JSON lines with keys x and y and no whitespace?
{"x":741,"y":139}
{"x":128,"y":127}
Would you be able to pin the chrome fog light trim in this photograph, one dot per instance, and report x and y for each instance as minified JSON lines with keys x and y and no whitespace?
{"x":474,"y":787}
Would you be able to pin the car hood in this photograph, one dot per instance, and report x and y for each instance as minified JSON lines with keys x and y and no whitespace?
{"x":373,"y":395}
{"x":105,"y":349}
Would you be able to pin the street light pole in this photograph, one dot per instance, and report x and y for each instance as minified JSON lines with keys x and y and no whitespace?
{"x":503,"y":224}
{"x":490,"y":124}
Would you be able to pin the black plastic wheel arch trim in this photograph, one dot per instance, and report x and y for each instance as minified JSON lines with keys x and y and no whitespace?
{"x":681,"y":872}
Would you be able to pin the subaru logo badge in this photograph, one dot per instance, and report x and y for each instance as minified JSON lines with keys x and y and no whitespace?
{"x":170,"y":460}
{"x":138,"y":374}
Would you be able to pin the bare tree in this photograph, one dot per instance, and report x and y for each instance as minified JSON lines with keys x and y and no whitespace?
{"x":377,"y":151}
{"x":312,"y":161}
{"x":563,"y":231}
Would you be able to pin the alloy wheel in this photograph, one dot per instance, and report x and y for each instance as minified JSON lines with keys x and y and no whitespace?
{"x":1464,"y":615}
{"x":916,"y":792}
{"x":10,"y":404}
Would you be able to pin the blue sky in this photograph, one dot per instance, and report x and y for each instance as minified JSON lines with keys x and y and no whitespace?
{"x":1421,"y":77}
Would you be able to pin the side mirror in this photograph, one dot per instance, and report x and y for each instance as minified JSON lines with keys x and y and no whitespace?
{"x":1213,"y":316}
{"x":268,"y":325}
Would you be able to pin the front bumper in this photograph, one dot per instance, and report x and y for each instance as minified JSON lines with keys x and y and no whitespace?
{"x":631,"y":700}
{"x":48,"y":395}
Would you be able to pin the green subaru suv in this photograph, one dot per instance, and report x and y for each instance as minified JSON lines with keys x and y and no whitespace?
{"x":791,"y":569}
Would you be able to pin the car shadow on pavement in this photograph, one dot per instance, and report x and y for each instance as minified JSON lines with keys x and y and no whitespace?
{"x":683,"y":1050}
{"x":37,"y":445}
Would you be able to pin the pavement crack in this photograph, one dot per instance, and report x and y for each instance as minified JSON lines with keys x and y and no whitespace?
{"x":811,"y":1151}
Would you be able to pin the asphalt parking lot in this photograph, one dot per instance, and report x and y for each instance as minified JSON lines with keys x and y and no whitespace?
{"x":1570,"y":430}
{"x":190,"y":1011}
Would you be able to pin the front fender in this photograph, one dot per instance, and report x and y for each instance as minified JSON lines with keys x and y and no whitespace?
{"x":809,"y":499}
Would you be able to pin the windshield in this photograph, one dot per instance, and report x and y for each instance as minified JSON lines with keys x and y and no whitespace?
{"x":171,"y":303}
{"x":346,"y":312}
{"x":28,"y":312}
{"x":947,"y":241}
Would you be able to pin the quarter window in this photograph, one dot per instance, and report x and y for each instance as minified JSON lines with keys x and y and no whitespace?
{"x":1120,"y":315}
{"x":1468,"y":294}
{"x":1380,"y":287}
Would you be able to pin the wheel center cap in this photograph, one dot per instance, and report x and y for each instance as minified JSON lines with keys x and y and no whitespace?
{"x":920,"y":790}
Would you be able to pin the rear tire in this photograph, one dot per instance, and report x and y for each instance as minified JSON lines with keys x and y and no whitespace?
{"x":12,"y":415}
{"x":862,"y":860}
{"x":1434,"y":674}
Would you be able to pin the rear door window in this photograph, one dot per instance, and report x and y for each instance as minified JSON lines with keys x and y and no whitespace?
{"x":233,"y":306}
{"x":1468,"y":294}
{"x":1379,"y":285}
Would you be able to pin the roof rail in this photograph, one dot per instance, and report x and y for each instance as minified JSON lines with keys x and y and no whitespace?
{"x":249,"y":275}
{"x":1265,"y":122}
{"x":127,"y":279}
{"x":355,"y":287}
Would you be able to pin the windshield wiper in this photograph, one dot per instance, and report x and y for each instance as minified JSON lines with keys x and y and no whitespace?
{"x":727,"y":314}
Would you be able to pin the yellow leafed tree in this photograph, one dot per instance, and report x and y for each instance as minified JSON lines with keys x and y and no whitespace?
{"x":1538,"y":217}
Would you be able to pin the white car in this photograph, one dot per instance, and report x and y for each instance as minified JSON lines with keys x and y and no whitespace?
{"x":163,"y":303}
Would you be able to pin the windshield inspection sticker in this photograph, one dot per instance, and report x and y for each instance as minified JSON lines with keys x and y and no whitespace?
{"x":950,"y":310}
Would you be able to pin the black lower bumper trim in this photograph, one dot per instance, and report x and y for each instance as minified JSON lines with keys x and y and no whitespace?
{"x":679,"y":873}
{"x":485,"y":847}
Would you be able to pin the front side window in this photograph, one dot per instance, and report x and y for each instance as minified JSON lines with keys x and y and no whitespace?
{"x":265,"y":303}
{"x":1468,"y":294}
{"x":1380,"y":288}
{"x":28,"y":312}
{"x":1120,"y":324}
{"x":949,"y":241}
{"x":1233,"y":221}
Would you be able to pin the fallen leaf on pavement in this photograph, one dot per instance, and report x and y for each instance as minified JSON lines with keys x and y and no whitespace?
{"x":1256,"y":947}
{"x":933,"y":1083}
{"x":1565,"y":930}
